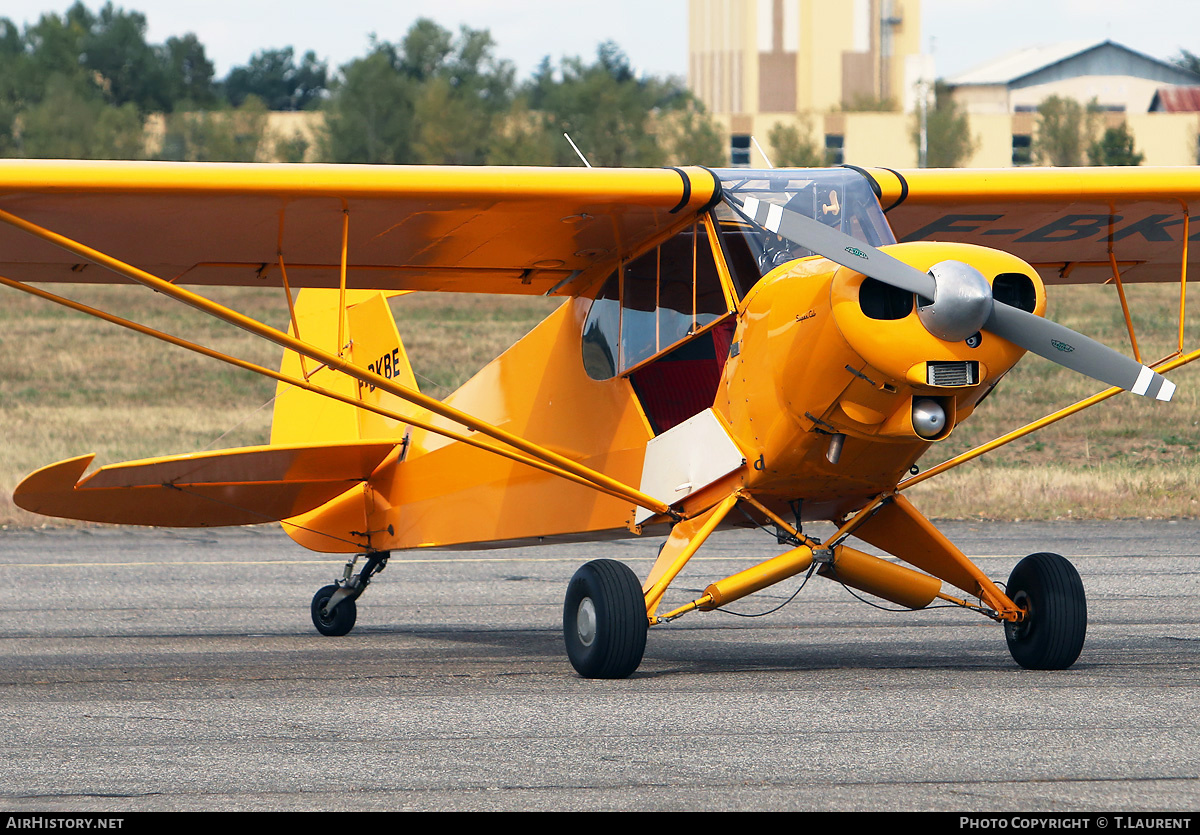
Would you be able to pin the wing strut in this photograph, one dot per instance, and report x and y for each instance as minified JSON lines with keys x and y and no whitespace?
{"x":589,"y":476}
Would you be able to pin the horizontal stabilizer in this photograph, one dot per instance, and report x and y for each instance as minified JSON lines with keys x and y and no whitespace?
{"x":244,"y":486}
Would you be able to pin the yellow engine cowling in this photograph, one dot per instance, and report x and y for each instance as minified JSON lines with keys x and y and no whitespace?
{"x":816,"y":364}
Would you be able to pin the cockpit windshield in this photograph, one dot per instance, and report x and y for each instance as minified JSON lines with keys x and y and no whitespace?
{"x":837,"y":197}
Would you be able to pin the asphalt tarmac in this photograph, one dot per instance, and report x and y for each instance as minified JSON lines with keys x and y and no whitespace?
{"x":157,"y":670}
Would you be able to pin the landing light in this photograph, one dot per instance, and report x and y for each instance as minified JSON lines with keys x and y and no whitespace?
{"x":928,"y":418}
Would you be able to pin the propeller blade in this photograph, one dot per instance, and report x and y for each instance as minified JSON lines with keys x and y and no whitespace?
{"x":1048,"y":339}
{"x":1073,"y":350}
{"x":837,"y":246}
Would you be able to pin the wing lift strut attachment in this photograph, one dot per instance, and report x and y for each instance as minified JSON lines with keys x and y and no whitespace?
{"x":514,"y":447}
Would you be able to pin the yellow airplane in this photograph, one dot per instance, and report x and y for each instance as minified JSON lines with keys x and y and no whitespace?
{"x":736,"y":348}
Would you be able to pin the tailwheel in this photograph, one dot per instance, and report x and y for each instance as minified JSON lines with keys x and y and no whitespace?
{"x":1050,"y":637}
{"x":338,"y":621}
{"x":604,"y":620}
{"x":333,"y":608}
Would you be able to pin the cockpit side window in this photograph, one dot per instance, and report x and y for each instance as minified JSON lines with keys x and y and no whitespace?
{"x":652,"y":303}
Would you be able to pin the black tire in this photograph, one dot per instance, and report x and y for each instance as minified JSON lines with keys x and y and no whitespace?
{"x":1051,"y":636}
{"x":604,"y":620}
{"x":340,"y":620}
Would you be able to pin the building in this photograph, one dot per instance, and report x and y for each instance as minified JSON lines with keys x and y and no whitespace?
{"x":1119,"y":79}
{"x":757,"y":63}
{"x":1001,"y":98}
{"x":829,"y":70}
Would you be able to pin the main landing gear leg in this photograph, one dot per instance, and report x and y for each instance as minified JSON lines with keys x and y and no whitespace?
{"x":333,"y":608}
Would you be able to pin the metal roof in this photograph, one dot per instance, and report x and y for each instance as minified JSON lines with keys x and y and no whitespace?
{"x":1013,"y":65}
{"x":1176,"y":100}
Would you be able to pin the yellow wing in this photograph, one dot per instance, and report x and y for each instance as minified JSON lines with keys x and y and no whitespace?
{"x":499,"y":230}
{"x":1069,"y":223}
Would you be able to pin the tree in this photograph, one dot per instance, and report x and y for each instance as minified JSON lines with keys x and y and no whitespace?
{"x":464,"y":97}
{"x":274,"y":77}
{"x":188,"y":73}
{"x":1188,"y":61}
{"x":425,"y":50}
{"x":521,"y":137}
{"x":107,"y":54}
{"x":54,"y":45}
{"x":289,"y":148}
{"x":1065,"y":130}
{"x":368,"y":117}
{"x":433,"y":98}
{"x":948,"y":139}
{"x":610,"y":112}
{"x":128,"y":70}
{"x":1115,"y":148}
{"x":792,"y":149}
{"x":14,"y":75}
{"x":224,"y":135}
{"x":74,"y":123}
{"x":691,"y":137}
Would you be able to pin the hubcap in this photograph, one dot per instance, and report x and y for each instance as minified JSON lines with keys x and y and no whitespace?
{"x":1020,"y":630}
{"x":585,"y":622}
{"x":324,"y":614}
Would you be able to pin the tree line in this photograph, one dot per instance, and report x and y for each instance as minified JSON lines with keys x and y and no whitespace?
{"x":88,"y":85}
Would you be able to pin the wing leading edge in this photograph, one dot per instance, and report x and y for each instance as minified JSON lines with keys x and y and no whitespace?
{"x":472,"y":229}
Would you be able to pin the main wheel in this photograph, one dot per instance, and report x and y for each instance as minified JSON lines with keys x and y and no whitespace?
{"x":1051,"y":636}
{"x":604,"y":620}
{"x":340,"y":620}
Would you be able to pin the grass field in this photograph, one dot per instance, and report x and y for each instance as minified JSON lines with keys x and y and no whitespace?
{"x":70,"y":384}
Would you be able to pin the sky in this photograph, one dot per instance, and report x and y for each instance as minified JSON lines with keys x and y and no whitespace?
{"x":653,"y":33}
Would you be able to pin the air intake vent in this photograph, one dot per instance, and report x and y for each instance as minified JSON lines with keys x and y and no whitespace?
{"x":964,"y":373}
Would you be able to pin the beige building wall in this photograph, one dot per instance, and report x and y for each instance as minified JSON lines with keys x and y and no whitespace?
{"x":869,"y":138}
{"x":1165,"y":138}
{"x":883,"y":139}
{"x":1133,"y":94}
{"x":985,"y":99}
{"x":993,"y":133}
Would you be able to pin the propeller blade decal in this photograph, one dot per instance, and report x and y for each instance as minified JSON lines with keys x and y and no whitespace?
{"x":1063,"y":346}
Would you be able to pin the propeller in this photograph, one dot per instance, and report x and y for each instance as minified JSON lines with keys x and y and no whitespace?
{"x":958,"y":293}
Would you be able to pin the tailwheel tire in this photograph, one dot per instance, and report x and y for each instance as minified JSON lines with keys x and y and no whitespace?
{"x":604,"y":620}
{"x":340,"y":620}
{"x":1051,"y":636}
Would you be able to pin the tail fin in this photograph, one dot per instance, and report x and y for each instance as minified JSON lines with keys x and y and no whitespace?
{"x":372,"y":341}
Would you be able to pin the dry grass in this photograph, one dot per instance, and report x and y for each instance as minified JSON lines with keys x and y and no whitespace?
{"x":70,"y":385}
